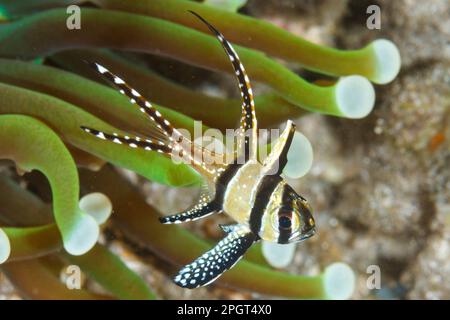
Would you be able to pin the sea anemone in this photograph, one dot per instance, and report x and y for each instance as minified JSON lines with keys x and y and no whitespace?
{"x":47,"y":92}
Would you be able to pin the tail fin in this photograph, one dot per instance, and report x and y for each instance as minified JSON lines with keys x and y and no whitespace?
{"x":136,"y":98}
{"x":132,"y":142}
{"x":173,"y":137}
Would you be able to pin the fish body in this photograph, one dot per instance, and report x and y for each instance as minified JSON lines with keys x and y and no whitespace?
{"x":239,"y":196}
{"x":253,"y":193}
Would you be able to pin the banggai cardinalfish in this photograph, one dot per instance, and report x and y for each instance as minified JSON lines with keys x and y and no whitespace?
{"x":252,"y":193}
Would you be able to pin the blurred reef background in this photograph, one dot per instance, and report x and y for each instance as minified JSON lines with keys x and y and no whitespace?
{"x":379,"y":186}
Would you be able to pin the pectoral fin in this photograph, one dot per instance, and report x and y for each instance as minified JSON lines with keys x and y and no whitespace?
{"x":216,"y":261}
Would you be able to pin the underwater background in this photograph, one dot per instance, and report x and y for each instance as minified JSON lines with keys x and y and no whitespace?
{"x":74,"y":209}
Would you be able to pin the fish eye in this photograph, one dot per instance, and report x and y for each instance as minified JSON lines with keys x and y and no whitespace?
{"x":285,"y":222}
{"x":285,"y":218}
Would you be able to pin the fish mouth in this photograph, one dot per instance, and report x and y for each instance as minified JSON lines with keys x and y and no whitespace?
{"x":309,"y":234}
{"x":299,"y":237}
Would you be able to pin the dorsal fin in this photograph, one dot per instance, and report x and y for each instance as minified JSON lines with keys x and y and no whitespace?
{"x":277,"y":159}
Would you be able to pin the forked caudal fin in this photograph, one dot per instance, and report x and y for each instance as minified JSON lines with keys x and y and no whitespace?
{"x":168,"y":139}
{"x":132,"y":142}
{"x":163,"y":125}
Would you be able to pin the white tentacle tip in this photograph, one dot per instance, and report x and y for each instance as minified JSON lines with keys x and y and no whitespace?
{"x":97,"y":205}
{"x":339,"y":281}
{"x":5,"y":246}
{"x":83,"y":237}
{"x":278,"y":255}
{"x":355,"y":96}
{"x":388,"y":61}
{"x":299,"y":158}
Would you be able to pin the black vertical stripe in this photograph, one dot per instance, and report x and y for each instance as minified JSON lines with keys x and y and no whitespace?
{"x":223,"y":182}
{"x":285,"y":234}
{"x":265,"y":189}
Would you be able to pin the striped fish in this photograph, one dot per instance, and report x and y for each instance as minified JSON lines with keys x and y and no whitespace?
{"x":254,"y":194}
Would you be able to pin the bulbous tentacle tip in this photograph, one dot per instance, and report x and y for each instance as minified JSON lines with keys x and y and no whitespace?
{"x":388,"y":61}
{"x":83,"y":237}
{"x":339,"y":281}
{"x":278,"y":255}
{"x":299,"y":158}
{"x":355,"y":96}
{"x":97,"y":205}
{"x":5,"y":247}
